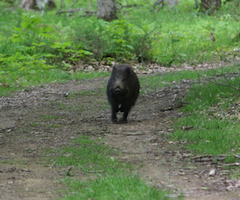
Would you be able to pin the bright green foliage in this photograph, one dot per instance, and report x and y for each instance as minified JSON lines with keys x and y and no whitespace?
{"x":32,"y":44}
{"x":140,"y":34}
{"x":35,"y":37}
{"x":118,"y":34}
{"x":33,"y":51}
{"x":119,"y":39}
{"x":30,"y":30}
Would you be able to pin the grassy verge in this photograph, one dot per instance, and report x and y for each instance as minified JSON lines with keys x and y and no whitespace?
{"x":211,"y":122}
{"x":110,"y":179}
{"x":154,"y":82}
{"x":16,"y":80}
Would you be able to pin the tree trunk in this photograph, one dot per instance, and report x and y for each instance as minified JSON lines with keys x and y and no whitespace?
{"x":37,"y":4}
{"x":106,"y":9}
{"x":210,"y":6}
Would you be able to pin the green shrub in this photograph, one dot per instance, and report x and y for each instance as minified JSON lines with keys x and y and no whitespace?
{"x":120,"y":40}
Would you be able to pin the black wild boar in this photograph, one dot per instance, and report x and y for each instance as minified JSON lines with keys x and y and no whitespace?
{"x":122,"y":91}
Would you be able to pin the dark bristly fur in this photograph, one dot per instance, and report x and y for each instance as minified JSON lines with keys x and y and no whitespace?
{"x":122,"y":91}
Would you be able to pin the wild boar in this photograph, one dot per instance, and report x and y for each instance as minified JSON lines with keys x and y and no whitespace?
{"x":122,"y":91}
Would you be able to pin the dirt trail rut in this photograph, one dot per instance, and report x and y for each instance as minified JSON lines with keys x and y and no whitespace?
{"x":43,"y":118}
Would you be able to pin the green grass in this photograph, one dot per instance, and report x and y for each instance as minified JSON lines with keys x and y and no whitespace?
{"x":111,"y":179}
{"x":89,"y":156}
{"x":150,"y":83}
{"x":208,"y":135}
{"x":203,"y":96}
{"x":18,"y":80}
{"x":114,"y":187}
{"x":211,"y":128}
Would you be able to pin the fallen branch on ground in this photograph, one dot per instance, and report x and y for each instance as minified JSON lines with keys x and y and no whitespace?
{"x":214,"y":80}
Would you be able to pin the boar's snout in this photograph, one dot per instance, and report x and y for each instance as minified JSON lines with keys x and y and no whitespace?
{"x":117,"y":90}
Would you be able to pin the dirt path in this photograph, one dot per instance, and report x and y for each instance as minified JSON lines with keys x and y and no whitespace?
{"x":45,"y":118}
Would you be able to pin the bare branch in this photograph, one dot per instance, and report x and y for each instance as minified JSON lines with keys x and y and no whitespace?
{"x":62,"y":4}
{"x":89,"y":5}
{"x":68,"y":11}
{"x":87,"y":13}
{"x":71,"y":10}
{"x":214,"y":79}
{"x":216,"y":82}
{"x":73,"y":4}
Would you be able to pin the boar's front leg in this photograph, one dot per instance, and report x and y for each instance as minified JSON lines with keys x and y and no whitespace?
{"x":115,"y":109}
{"x":125,"y":114}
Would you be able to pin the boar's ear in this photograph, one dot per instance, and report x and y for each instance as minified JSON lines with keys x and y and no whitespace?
{"x":128,"y":71}
{"x":114,"y":69}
